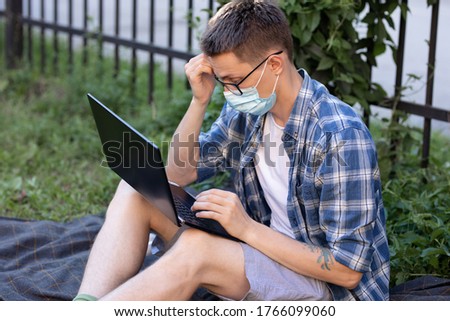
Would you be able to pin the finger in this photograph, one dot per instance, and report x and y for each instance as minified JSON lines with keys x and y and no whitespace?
{"x":210,"y":215}
{"x":218,"y":192}
{"x":195,"y":59}
{"x":215,"y":199}
{"x":207,"y":206}
{"x":199,"y":73}
{"x":224,"y":198}
{"x":198,"y":62}
{"x":209,"y":196}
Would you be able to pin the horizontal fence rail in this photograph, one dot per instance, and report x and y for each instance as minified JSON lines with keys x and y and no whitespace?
{"x":22,"y":23}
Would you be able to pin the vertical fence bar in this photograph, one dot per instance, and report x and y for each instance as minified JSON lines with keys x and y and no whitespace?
{"x":116,"y":33}
{"x":430,"y":83}
{"x":42,"y":37}
{"x":30,"y":35}
{"x":85,"y":30}
{"x":70,"y":45}
{"x":211,"y":9}
{"x":100,"y":30}
{"x":370,"y":62}
{"x":170,"y":44}
{"x":133,"y":51}
{"x":14,"y":33}
{"x":399,"y":59}
{"x":151,"y":64}
{"x":190,"y":26}
{"x":55,"y":37}
{"x":400,"y":51}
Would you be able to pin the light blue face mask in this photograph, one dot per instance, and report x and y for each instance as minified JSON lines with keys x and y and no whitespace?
{"x":250,"y":102}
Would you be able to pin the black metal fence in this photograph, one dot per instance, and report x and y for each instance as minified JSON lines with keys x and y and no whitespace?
{"x":22,"y":22}
{"x":427,"y":110}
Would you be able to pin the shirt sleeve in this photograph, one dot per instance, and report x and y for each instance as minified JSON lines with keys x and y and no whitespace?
{"x":350,"y":196}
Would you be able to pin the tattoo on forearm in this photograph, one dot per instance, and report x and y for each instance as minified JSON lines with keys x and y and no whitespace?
{"x":325,"y":258}
{"x":311,"y":247}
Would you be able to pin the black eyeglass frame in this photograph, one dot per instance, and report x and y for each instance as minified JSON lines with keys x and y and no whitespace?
{"x":235,"y":86}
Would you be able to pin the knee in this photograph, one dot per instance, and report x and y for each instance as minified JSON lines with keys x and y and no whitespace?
{"x":126,"y":195}
{"x":187,"y":255}
{"x":126,"y":201}
{"x":125,"y":190}
{"x":194,"y":246}
{"x":193,"y":238}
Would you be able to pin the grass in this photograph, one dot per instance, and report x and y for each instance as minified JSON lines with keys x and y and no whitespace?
{"x":50,"y":155}
{"x":49,"y":163}
{"x":50,"y":151}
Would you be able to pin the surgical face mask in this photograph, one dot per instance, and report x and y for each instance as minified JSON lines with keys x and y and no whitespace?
{"x":250,"y":102}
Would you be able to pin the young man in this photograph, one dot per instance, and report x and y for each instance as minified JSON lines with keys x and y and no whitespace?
{"x":307,"y":206}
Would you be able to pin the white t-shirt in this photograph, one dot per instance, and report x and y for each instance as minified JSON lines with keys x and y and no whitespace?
{"x":272,"y":167}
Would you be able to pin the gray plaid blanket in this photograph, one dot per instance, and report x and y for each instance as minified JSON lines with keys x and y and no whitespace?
{"x":45,"y":260}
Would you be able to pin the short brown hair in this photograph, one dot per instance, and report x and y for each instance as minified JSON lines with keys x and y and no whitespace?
{"x":249,"y":29}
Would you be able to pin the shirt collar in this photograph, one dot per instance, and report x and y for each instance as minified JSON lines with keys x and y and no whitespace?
{"x":296,"y":120}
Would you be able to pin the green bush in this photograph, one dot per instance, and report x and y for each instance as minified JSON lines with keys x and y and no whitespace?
{"x":418,"y":209}
{"x":417,"y":202}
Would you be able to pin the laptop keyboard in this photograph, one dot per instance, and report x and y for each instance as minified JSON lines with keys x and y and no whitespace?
{"x":182,"y":209}
{"x":188,"y":216}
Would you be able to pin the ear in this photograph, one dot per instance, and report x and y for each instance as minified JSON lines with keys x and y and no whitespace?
{"x":276,"y":64}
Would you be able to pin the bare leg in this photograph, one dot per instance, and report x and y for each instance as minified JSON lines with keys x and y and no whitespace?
{"x":121,"y":244}
{"x":196,"y":259}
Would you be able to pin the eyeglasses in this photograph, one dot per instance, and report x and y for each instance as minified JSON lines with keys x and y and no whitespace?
{"x":234,"y":87}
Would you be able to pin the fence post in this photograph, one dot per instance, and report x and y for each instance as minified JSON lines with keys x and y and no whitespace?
{"x":14,"y":33}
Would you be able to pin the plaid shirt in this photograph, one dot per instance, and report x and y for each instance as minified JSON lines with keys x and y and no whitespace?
{"x":334,"y":198}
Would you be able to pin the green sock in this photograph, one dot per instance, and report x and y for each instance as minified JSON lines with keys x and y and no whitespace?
{"x":85,"y":297}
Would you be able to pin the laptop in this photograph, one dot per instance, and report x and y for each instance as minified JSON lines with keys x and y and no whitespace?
{"x":138,"y":161}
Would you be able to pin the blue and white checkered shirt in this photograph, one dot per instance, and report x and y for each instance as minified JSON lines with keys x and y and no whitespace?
{"x":334,"y":198}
